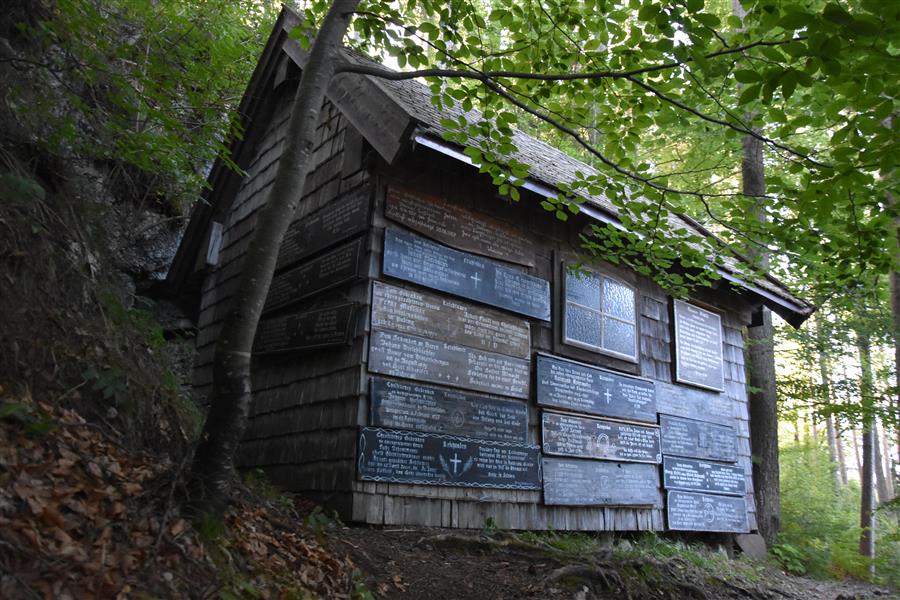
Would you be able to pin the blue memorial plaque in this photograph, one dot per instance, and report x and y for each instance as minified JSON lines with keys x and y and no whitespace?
{"x":703,"y":476}
{"x":688,"y":511}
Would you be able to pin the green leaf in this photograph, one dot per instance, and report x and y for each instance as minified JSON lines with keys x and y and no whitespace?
{"x":749,"y":94}
{"x":836,"y":14}
{"x":747,"y":76}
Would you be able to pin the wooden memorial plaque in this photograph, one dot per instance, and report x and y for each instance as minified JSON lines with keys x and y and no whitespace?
{"x":683,"y":401}
{"x":688,"y":511}
{"x":702,"y":476}
{"x":333,"y":326}
{"x":402,"y":405}
{"x":698,"y":347}
{"x":333,"y":223}
{"x":449,"y":320}
{"x":570,"y":385}
{"x":413,"y":357}
{"x":568,"y":435}
{"x":574,"y":482}
{"x":412,"y":258}
{"x":394,"y":456}
{"x":697,"y":439}
{"x":458,"y":227}
{"x":326,"y":271}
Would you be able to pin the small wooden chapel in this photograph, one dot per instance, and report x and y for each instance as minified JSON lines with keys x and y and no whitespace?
{"x":427,"y":354}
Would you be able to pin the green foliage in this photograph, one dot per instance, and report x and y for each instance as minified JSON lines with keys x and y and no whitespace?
{"x":820,"y":525}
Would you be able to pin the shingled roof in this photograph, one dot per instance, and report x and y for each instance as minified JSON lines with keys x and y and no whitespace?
{"x":406,"y":118}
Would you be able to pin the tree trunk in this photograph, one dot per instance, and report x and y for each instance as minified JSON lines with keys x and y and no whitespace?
{"x":213,"y":467}
{"x":825,"y":378}
{"x":881,"y":481}
{"x":859,"y":468}
{"x":842,"y":459}
{"x":887,"y":462}
{"x":867,"y":475}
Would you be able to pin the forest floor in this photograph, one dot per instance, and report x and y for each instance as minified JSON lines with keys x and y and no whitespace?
{"x":411,"y":563}
{"x":81,"y":516}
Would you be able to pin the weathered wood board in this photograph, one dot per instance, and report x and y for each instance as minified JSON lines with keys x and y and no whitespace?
{"x":698,"y":347}
{"x":413,"y":357}
{"x":335,"y":222}
{"x":336,"y":267}
{"x":697,"y":439}
{"x":449,"y":320}
{"x":458,"y":227}
{"x":689,"y":402}
{"x":703,"y":476}
{"x":395,"y":456}
{"x":563,"y":383}
{"x":413,"y":258}
{"x":689,"y":511}
{"x":568,"y":435}
{"x":402,"y":405}
{"x":576,"y":482}
{"x":332,"y":326}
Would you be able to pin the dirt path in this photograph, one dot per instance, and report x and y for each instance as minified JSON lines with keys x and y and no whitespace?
{"x":407,"y":564}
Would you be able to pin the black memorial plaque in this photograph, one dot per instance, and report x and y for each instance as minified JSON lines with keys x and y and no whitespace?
{"x":697,"y":439}
{"x":688,"y":511}
{"x":567,"y":384}
{"x":412,"y":357}
{"x":402,"y":405}
{"x":683,"y":401}
{"x":575,"y":482}
{"x":321,"y":328}
{"x":324,"y":272}
{"x":702,"y":476}
{"x":395,"y":456}
{"x":698,"y":347}
{"x":568,"y":435}
{"x":459,"y":227}
{"x":337,"y":221}
{"x":448,"y":319}
{"x":412,"y":258}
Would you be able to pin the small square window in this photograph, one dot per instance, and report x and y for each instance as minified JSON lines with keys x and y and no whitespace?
{"x":600,"y":313}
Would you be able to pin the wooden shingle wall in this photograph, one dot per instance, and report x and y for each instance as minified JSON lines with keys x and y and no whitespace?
{"x":302,"y":425}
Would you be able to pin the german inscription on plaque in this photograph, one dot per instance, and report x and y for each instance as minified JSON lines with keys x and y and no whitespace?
{"x":457,"y":226}
{"x":324,"y":272}
{"x":567,"y":384}
{"x":394,"y":456}
{"x":575,"y":482}
{"x":702,"y":476}
{"x":416,"y":259}
{"x":336,"y":221}
{"x":402,"y":405}
{"x":321,"y":328}
{"x":683,"y":401}
{"x":688,"y":511}
{"x":567,"y":435}
{"x":413,"y":357}
{"x":698,"y":347}
{"x":448,"y":319}
{"x":697,"y":439}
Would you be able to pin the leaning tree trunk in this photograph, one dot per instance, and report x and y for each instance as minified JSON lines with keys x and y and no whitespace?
{"x":825,"y":377}
{"x":213,"y":466}
{"x":867,"y":476}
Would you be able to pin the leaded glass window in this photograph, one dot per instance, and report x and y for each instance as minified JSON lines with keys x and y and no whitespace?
{"x":600,"y":313}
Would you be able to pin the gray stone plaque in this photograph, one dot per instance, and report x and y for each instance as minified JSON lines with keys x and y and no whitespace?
{"x":702,"y":476}
{"x":394,"y":456}
{"x":333,"y":223}
{"x":459,"y":227}
{"x":402,"y":405}
{"x":683,"y":401}
{"x":698,"y":347}
{"x":326,"y":271}
{"x":332,"y":326}
{"x":688,"y":511}
{"x":574,"y":482}
{"x":571,"y":385}
{"x":448,"y":319}
{"x":416,"y":259}
{"x":568,"y":435}
{"x":697,"y":439}
{"x":413,"y":357}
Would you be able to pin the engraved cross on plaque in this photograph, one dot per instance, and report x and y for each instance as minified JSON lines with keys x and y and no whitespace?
{"x":455,"y":460}
{"x":475,"y":278}
{"x":608,"y":395}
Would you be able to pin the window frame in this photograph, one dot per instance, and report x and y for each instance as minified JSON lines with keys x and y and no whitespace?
{"x":601,"y":273}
